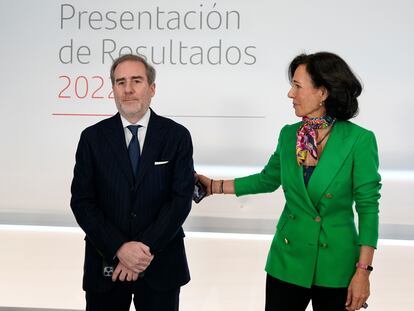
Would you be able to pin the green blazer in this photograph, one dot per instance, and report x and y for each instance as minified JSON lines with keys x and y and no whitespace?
{"x":316,"y":241}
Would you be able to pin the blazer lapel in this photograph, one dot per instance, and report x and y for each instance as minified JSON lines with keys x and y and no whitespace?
{"x":295,"y":172}
{"x":336,"y":150}
{"x":114,"y":132}
{"x":152,"y":145}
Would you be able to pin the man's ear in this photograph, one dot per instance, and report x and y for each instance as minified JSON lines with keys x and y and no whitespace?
{"x":152,"y":88}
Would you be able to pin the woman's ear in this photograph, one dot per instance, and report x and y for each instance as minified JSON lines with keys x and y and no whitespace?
{"x":324,"y":93}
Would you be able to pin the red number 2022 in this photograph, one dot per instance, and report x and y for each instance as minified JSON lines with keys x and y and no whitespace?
{"x":81,"y":87}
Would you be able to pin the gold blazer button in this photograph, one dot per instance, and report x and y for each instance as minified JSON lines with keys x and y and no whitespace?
{"x":318,"y":219}
{"x":286,"y":241}
{"x":328,"y":196}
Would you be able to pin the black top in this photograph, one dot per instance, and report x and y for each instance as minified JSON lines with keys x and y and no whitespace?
{"x":307,"y":173}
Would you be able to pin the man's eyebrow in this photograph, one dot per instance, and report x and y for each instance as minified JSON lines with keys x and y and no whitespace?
{"x":296,"y":81}
{"x":120,"y":79}
{"x":132,"y":78}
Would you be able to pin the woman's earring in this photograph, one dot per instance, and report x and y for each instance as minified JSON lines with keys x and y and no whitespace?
{"x":322,"y":103}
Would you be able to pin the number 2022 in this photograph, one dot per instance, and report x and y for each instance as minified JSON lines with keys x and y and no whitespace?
{"x":81,"y":87}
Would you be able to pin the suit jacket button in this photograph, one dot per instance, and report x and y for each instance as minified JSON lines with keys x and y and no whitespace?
{"x":318,"y":219}
{"x":324,"y":245}
{"x":291,"y":216}
{"x":133,"y":215}
{"x":286,"y":241}
{"x":328,"y":196}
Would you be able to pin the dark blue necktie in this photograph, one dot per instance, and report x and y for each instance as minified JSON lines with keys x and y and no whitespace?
{"x":133,"y":148}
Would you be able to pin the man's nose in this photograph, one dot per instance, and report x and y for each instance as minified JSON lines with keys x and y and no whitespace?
{"x":128,"y":88}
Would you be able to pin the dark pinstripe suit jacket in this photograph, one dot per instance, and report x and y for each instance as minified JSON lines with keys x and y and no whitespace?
{"x":113,"y":207}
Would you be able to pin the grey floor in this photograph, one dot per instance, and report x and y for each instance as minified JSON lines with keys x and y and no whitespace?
{"x":44,"y":271}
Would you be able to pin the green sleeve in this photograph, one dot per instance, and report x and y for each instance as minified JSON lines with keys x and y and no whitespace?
{"x":268,"y":180}
{"x":366,"y":188}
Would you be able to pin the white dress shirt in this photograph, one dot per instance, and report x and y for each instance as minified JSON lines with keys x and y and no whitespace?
{"x":142,"y":131}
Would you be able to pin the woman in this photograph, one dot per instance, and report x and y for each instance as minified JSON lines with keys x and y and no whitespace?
{"x":324,"y":164}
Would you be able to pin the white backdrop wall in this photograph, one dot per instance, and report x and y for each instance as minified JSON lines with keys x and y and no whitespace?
{"x":222,"y":72}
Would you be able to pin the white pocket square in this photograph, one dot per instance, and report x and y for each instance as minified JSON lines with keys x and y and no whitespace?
{"x":161,"y":162}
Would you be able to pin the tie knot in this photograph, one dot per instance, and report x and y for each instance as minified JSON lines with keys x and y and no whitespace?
{"x":133,"y":129}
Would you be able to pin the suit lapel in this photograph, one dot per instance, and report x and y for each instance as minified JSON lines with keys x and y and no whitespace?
{"x":152,"y":145}
{"x":114,"y":132}
{"x":336,"y":150}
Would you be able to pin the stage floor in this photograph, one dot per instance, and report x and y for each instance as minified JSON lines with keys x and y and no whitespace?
{"x":41,"y":267}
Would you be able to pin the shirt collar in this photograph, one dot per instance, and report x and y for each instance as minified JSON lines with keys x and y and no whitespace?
{"x":143,"y":121}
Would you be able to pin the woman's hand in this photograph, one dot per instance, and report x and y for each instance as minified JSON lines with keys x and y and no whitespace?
{"x":358,"y":290}
{"x":206,"y":182}
{"x":216,"y":186}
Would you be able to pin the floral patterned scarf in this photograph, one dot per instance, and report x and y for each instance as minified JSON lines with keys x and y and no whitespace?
{"x":306,"y":137}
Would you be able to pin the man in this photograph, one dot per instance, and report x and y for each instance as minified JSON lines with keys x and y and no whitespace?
{"x":131,"y":192}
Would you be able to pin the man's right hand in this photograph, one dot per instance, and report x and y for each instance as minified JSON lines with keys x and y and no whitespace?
{"x":122,"y":274}
{"x":136,"y":256}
